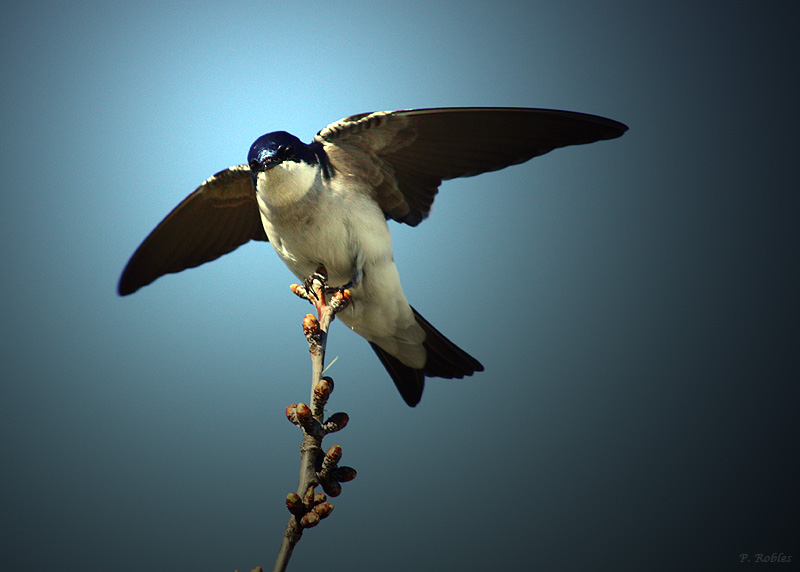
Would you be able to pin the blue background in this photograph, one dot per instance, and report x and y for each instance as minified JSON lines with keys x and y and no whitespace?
{"x":634,"y":301}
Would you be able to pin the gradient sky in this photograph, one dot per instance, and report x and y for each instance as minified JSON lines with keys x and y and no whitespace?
{"x":634,"y":302}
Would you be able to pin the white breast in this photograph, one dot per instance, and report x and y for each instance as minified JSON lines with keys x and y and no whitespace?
{"x":312,"y":222}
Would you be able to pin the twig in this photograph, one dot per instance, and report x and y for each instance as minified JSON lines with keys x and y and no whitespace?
{"x":306,"y":507}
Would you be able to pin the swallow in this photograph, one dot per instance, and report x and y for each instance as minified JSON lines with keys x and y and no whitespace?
{"x":327,"y":203}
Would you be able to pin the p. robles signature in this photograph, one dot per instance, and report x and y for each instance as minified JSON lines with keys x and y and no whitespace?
{"x":775,"y":557}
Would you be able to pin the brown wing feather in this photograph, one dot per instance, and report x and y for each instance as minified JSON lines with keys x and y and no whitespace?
{"x":410,"y":152}
{"x":218,"y":217}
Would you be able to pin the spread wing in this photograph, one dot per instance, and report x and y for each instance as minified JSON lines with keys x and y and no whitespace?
{"x":405,"y":155}
{"x":218,"y":217}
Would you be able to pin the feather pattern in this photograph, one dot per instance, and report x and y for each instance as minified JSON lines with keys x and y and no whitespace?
{"x":218,"y":217}
{"x":406,"y":154}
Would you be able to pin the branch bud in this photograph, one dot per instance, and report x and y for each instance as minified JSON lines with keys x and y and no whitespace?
{"x":313,"y":333}
{"x":299,"y":291}
{"x":319,"y":497}
{"x":303,"y":414}
{"x":323,"y":509}
{"x":333,"y":488}
{"x":291,"y":413}
{"x":295,"y":504}
{"x":336,"y":422}
{"x":344,"y":474}
{"x":323,"y":388}
{"x":333,"y":455}
{"x":310,"y":324}
{"x":340,"y":300}
{"x":308,"y":499}
{"x":310,"y":520}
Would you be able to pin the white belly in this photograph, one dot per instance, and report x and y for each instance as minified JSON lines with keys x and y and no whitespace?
{"x":337,"y":232}
{"x":346,"y":232}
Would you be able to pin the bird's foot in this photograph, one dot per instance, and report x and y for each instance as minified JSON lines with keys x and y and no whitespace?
{"x":315,"y":289}
{"x":316,"y":285}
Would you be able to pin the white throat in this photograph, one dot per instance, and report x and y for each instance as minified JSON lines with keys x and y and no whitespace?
{"x":286,"y":184}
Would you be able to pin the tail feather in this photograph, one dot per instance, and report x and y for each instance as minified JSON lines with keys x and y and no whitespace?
{"x":444,"y":359}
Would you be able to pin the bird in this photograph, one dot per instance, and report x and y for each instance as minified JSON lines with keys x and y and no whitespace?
{"x":327,"y":204}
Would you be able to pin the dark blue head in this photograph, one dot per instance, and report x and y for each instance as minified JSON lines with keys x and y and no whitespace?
{"x":275,"y":148}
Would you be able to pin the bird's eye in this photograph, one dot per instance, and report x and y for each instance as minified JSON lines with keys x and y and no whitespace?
{"x":286,"y":152}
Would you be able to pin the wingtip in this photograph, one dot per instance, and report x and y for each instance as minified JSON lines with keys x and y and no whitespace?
{"x":125,"y":286}
{"x":611,"y":128}
{"x":621,"y":128}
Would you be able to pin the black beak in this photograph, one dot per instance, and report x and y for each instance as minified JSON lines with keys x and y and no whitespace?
{"x":261,"y":166}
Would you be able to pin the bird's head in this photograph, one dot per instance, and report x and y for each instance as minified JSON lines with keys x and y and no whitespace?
{"x":283,"y":167}
{"x":275,"y":148}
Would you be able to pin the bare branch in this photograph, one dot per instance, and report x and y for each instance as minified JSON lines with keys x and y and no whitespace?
{"x":308,"y":508}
